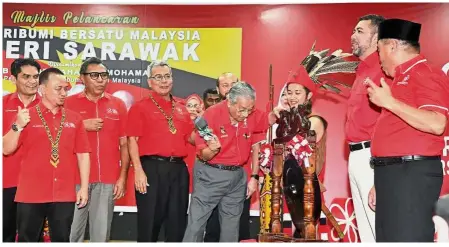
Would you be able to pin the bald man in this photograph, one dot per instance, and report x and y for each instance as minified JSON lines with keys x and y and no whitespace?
{"x":224,"y":83}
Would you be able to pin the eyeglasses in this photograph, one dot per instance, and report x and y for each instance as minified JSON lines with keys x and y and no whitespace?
{"x":94,"y":75}
{"x":160,"y":77}
{"x":190,"y":105}
{"x":245,"y":111}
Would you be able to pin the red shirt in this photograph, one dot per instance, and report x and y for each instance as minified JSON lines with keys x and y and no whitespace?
{"x":11,"y":163}
{"x":105,"y":144}
{"x":190,"y":162}
{"x":417,"y":85}
{"x":148,"y":123}
{"x":256,"y":116}
{"x":236,"y":140}
{"x":39,"y":181}
{"x":258,"y":138}
{"x":362,"y":115}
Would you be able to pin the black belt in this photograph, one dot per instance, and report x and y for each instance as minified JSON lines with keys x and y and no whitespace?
{"x":171,"y":159}
{"x":359,"y":146}
{"x":384,"y":161}
{"x":223,"y":167}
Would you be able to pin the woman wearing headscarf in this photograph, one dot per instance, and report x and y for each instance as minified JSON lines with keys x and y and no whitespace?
{"x":195,"y":106}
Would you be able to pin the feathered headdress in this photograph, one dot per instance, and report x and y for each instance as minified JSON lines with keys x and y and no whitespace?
{"x":317,"y":63}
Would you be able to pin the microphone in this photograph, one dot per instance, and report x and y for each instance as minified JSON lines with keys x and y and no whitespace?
{"x":203,"y":129}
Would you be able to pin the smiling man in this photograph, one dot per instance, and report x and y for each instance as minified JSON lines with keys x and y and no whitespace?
{"x":159,"y":130}
{"x":54,"y":144}
{"x":407,"y":139}
{"x":361,"y":119}
{"x":25,"y":75}
{"x":220,"y":180}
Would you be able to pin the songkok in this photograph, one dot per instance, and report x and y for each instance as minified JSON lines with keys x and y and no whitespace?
{"x":399,"y":29}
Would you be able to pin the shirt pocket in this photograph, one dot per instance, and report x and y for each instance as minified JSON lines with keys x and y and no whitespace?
{"x":111,"y":123}
{"x":183,"y":123}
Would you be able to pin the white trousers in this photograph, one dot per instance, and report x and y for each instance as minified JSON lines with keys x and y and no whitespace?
{"x":361,"y":178}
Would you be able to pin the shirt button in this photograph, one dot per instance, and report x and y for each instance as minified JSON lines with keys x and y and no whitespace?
{"x":56,"y":179}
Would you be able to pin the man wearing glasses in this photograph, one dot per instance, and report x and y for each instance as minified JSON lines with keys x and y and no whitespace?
{"x":224,"y":83}
{"x":104,"y":118}
{"x":159,"y":131}
{"x":219,"y":177}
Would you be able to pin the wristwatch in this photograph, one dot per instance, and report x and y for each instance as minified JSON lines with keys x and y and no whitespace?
{"x":16,"y":128}
{"x":255,"y":176}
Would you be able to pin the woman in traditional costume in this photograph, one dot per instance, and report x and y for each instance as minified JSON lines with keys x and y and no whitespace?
{"x":303,"y":136}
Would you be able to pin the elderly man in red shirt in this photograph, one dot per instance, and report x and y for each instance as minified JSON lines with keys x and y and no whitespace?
{"x":219,"y":178}
{"x":407,"y":140}
{"x":25,"y":74}
{"x":159,"y":131}
{"x":212,"y":234}
{"x":54,"y":143}
{"x":104,"y":117}
{"x":361,"y":118}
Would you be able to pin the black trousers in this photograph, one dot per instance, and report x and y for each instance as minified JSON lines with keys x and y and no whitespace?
{"x":166,"y":201}
{"x":405,"y":197}
{"x":213,"y":224}
{"x":31,"y":216}
{"x":9,"y":214}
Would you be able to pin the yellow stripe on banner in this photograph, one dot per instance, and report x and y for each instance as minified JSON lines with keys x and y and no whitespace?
{"x":203,"y":51}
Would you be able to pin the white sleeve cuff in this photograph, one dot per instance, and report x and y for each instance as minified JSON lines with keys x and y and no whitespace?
{"x":433,"y":106}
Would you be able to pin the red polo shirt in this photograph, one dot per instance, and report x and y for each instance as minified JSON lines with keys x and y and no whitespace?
{"x":258,"y":138}
{"x":105,"y":144}
{"x":148,"y":123}
{"x":257,"y":116}
{"x":361,"y":114}
{"x":11,"y":163}
{"x":418,"y":85}
{"x":236,"y":140}
{"x":39,"y":181}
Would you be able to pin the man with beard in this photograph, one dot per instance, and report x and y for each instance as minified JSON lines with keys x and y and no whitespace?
{"x":211,"y":97}
{"x":360,"y":122}
{"x":225,"y":82}
{"x":159,"y":132}
{"x":54,"y":143}
{"x":104,"y":117}
{"x":407,"y":139}
{"x":25,"y":75}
